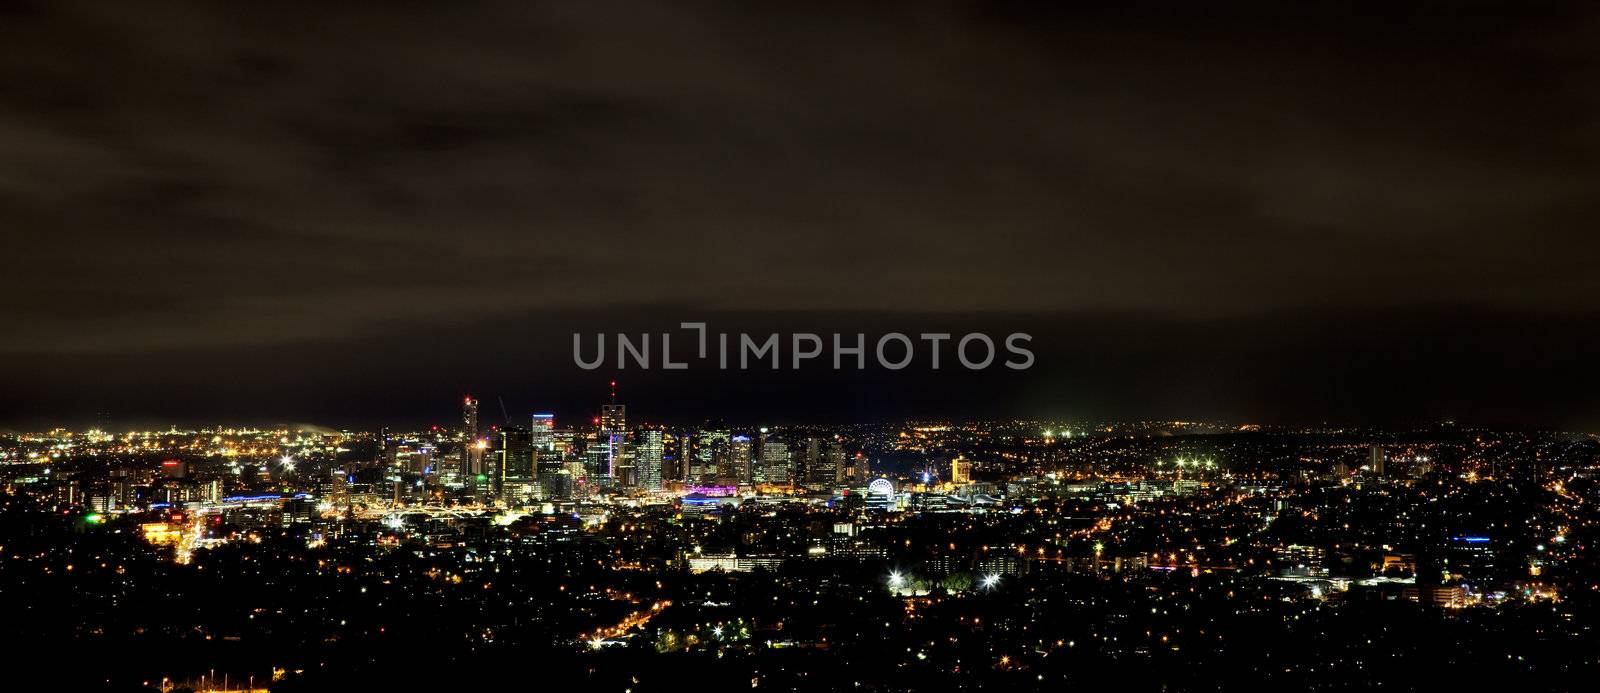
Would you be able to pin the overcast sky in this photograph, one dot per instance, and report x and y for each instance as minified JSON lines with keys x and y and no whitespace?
{"x":334,"y":211}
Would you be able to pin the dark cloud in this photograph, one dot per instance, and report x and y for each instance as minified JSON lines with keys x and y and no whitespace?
{"x":228,"y":178}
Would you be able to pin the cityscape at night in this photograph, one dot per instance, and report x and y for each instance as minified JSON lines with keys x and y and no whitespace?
{"x":933,"y":554}
{"x":635,"y":346}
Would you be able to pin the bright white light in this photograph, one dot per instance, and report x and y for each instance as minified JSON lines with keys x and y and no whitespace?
{"x":990,"y":580}
{"x":896,"y":579}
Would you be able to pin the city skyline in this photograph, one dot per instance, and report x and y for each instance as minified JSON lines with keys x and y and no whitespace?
{"x":885,"y":347}
{"x":1006,"y":554}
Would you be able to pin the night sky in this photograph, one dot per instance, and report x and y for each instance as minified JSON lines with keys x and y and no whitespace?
{"x":351,"y":214}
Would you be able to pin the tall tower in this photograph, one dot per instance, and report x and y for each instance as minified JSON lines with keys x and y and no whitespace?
{"x":679,"y":457}
{"x":543,"y":432}
{"x":613,"y":431}
{"x":1375,"y":458}
{"x":516,"y":466}
{"x":808,"y":467}
{"x":647,"y":456}
{"x":473,"y":459}
{"x":546,"y":455}
{"x":736,"y":469}
{"x":834,"y":463}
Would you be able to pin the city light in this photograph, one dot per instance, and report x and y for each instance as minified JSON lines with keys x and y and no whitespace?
{"x":1117,"y":530}
{"x":973,"y":346}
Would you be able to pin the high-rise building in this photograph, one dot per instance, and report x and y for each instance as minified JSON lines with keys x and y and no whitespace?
{"x":473,"y":454}
{"x":613,"y":417}
{"x":547,"y":456}
{"x":543,"y":431}
{"x":835,"y":463}
{"x":709,"y":448}
{"x":960,"y":471}
{"x":563,"y":468}
{"x":737,"y":468}
{"x":648,"y":453}
{"x":410,"y":457}
{"x":624,"y":465}
{"x":339,"y":494}
{"x":613,"y":434}
{"x":516,"y":466}
{"x":808,"y":462}
{"x":774,"y":462}
{"x":1375,"y":458}
{"x":823,"y":463}
{"x":595,"y":452}
{"x":675,"y":455}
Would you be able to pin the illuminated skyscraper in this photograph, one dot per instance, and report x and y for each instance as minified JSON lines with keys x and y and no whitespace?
{"x":559,"y":468}
{"x":736,"y":467}
{"x":595,"y":452}
{"x":1375,"y":458}
{"x":960,"y":471}
{"x":808,"y":462}
{"x":835,"y":463}
{"x":515,"y":466}
{"x":472,"y":459}
{"x":613,"y":433}
{"x":775,"y":463}
{"x":624,"y":465}
{"x":613,"y":417}
{"x":674,"y":450}
{"x":648,"y":453}
{"x":709,"y":448}
{"x":546,"y":456}
{"x":543,"y":432}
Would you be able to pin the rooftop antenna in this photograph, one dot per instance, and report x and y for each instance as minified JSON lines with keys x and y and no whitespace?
{"x":503,"y":411}
{"x":613,"y":392}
